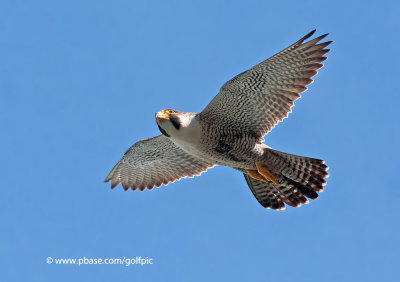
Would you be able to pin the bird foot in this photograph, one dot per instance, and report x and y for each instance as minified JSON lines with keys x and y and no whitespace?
{"x":262,"y":174}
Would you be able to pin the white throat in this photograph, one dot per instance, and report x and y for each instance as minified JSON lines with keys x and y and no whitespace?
{"x":188,"y":136}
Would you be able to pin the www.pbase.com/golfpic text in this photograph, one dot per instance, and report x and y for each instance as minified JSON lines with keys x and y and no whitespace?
{"x":125,"y":261}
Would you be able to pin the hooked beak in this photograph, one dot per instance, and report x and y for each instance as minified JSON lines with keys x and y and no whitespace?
{"x":161,"y":116}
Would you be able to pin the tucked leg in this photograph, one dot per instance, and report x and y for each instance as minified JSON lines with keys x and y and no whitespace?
{"x":256,"y":175}
{"x":266,"y":173}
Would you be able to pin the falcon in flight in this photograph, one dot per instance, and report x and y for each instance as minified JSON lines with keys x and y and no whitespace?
{"x":230,"y":131}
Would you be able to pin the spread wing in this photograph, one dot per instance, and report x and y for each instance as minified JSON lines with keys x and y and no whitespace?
{"x":262,"y":96}
{"x":152,"y":162}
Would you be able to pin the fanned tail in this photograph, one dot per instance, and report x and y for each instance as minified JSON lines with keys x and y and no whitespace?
{"x":295,"y":179}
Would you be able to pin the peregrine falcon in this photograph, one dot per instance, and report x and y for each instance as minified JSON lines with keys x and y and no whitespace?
{"x":230,"y":131}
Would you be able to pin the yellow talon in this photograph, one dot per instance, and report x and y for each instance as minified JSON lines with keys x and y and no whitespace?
{"x":256,"y":175}
{"x":266,"y":173}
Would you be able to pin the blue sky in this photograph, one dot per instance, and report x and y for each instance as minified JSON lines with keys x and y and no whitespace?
{"x":80,"y":82}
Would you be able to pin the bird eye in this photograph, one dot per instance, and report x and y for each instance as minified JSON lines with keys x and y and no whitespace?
{"x":170,"y":111}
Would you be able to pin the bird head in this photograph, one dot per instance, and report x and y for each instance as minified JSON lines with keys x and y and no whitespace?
{"x":171,"y":121}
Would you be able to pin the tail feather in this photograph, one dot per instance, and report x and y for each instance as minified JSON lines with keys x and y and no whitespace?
{"x":299,"y":178}
{"x":266,"y":193}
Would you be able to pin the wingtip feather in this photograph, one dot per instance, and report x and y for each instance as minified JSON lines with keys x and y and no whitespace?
{"x":114,"y":184}
{"x":304,"y":38}
{"x":108,"y":178}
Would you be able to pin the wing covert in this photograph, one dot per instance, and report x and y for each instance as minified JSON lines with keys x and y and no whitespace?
{"x":262,"y":96}
{"x":152,"y":162}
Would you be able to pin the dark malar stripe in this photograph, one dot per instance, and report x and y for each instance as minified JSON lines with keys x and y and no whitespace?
{"x":175,"y":121}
